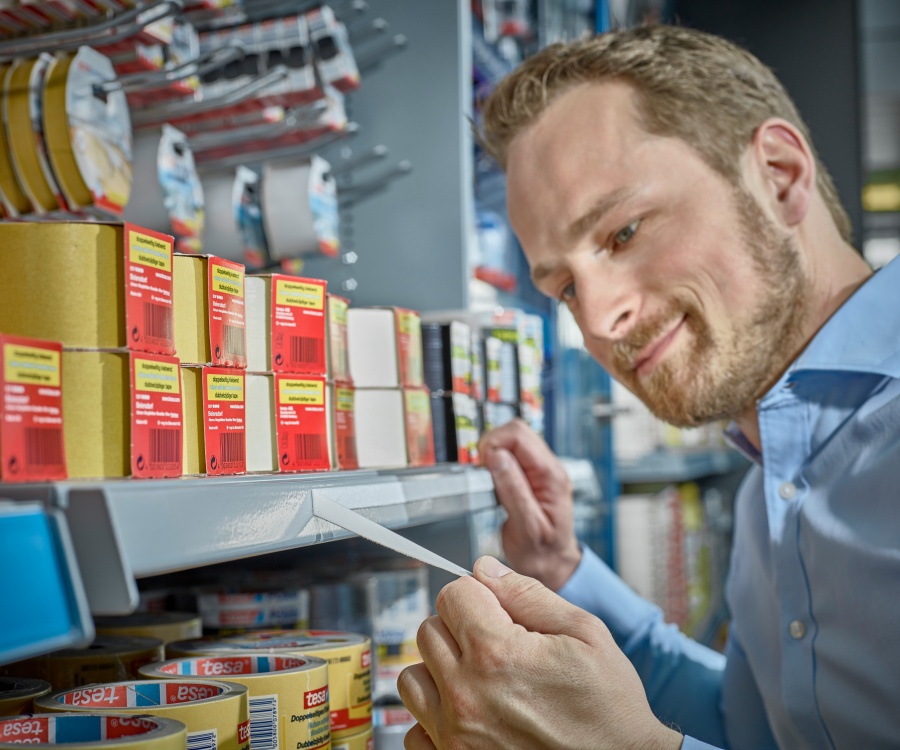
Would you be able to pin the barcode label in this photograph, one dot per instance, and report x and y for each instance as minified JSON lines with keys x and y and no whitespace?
{"x":158,"y":321}
{"x":202,"y":740}
{"x":348,"y":449}
{"x":231,"y":447}
{"x":165,"y":446}
{"x":307,"y":350}
{"x":43,"y":446}
{"x":264,"y":722}
{"x":309,"y":447}
{"x":234,"y":341}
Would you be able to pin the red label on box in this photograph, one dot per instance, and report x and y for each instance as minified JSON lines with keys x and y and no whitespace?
{"x":409,"y":347}
{"x":156,"y":416}
{"x":224,"y":426}
{"x":148,"y":290}
{"x":227,"y":324}
{"x":339,"y":359}
{"x":32,"y":446}
{"x":301,"y":423}
{"x":298,"y":325}
{"x":345,"y":427}
{"x":419,"y":436}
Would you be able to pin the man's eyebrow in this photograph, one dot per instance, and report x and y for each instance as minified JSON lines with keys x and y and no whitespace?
{"x":582,"y":225}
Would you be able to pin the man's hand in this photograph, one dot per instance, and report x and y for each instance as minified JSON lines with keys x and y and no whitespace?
{"x":509,"y":664}
{"x":532,"y":485}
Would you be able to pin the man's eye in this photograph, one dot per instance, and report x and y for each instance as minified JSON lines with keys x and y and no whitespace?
{"x":625,"y":234}
{"x":568,"y":293}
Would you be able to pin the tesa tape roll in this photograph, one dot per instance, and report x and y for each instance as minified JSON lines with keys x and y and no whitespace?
{"x":15,"y":201}
{"x":167,"y":626}
{"x":17,"y":694}
{"x":288,"y":694}
{"x":349,"y":657}
{"x":216,"y":714}
{"x":362,"y":741}
{"x":88,"y":132}
{"x":93,"y":732}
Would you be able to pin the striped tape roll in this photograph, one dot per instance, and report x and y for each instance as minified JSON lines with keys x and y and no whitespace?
{"x":349,"y":657}
{"x":288,"y":694}
{"x":92,"y":731}
{"x":216,"y":714}
{"x":166,"y":626}
{"x":18,"y":693}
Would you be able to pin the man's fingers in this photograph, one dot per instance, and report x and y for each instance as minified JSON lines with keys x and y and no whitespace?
{"x":520,"y":440}
{"x":535,"y":607}
{"x":418,"y":692}
{"x":438,"y":647}
{"x":471,"y":613}
{"x":514,"y":493}
{"x":417,"y":739}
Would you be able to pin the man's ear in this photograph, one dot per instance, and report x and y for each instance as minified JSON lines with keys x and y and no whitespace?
{"x":787,"y":167}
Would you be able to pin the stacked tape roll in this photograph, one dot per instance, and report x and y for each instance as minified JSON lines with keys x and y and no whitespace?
{"x":22,"y":89}
{"x":166,"y":626}
{"x":349,"y":657}
{"x":361,"y":741}
{"x":87,"y":128}
{"x":93,"y":731}
{"x":342,"y":605}
{"x":15,"y":200}
{"x":241,"y":611}
{"x":18,"y":693}
{"x":108,"y":659}
{"x":288,"y":694}
{"x":216,"y":714}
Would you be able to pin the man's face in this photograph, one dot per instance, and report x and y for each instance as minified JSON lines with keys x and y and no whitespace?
{"x":684,"y":290}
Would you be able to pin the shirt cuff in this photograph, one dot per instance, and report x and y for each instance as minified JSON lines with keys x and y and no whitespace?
{"x":689,"y":743}
{"x":595,"y":588}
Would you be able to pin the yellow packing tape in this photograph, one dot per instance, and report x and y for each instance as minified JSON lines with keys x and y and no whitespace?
{"x":288,"y":694}
{"x":17,"y":694}
{"x":93,"y":732}
{"x":215,"y":713}
{"x":14,"y":198}
{"x":361,"y":741}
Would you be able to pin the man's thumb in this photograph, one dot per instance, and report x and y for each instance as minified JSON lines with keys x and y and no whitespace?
{"x":532,"y":605}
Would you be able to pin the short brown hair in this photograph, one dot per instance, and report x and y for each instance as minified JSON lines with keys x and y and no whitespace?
{"x":700,"y":88}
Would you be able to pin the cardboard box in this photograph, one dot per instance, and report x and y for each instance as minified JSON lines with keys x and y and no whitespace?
{"x":343,"y":420}
{"x":262,"y":452}
{"x":456,"y":428}
{"x":338,"y":350}
{"x":447,"y":357}
{"x":210,"y":326}
{"x":393,"y":428}
{"x":214,"y":420}
{"x":81,"y":285}
{"x":286,"y":324}
{"x":385,"y":345}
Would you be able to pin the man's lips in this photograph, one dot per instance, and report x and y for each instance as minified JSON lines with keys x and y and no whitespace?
{"x":655,"y":350}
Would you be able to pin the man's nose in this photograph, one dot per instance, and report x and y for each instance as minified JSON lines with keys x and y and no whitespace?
{"x":609,"y":310}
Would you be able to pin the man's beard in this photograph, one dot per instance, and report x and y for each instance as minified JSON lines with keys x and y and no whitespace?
{"x":718,"y":378}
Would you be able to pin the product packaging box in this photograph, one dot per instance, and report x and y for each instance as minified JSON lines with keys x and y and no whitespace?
{"x":385,"y":345}
{"x":286,"y":324}
{"x":338,"y":351}
{"x":343,"y":405}
{"x":87,"y":285}
{"x":32,"y":447}
{"x":393,"y":427}
{"x":447,"y":357}
{"x":214,"y":420}
{"x":210,"y":311}
{"x":456,"y":428}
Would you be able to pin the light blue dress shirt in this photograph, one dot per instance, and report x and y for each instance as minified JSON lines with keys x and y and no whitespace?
{"x":813,"y":659}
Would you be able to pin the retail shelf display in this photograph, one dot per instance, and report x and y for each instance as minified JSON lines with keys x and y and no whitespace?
{"x":679,"y":465}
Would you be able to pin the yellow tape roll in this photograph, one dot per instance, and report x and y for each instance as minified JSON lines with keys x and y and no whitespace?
{"x":107,"y":659}
{"x":215,"y":713}
{"x":63,"y":282}
{"x":24,"y":81}
{"x":93,"y":732}
{"x":349,"y":657}
{"x":362,"y":741}
{"x":15,"y":200}
{"x":167,"y":626}
{"x":17,"y":694}
{"x":288,"y":694}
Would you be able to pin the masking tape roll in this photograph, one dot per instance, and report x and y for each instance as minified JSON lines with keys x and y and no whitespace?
{"x":288,"y":694}
{"x":167,"y":626}
{"x":215,"y":713}
{"x":17,"y":694}
{"x":15,"y":201}
{"x":93,"y":732}
{"x":107,"y":659}
{"x":88,"y":132}
{"x":349,"y":657}
{"x":362,"y":741}
{"x":63,"y":282}
{"x":25,"y":77}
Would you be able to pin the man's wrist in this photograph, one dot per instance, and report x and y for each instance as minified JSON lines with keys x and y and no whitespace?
{"x":564,"y":567}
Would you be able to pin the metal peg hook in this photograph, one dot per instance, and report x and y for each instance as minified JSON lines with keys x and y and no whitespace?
{"x":374,"y":57}
{"x":358,"y":193}
{"x":367,"y":30}
{"x":360,"y":160}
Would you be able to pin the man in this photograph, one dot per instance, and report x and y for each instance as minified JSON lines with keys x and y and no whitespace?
{"x":664,"y":187}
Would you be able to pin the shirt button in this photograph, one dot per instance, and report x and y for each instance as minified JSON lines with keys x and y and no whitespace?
{"x":797,"y":629}
{"x":787,"y":490}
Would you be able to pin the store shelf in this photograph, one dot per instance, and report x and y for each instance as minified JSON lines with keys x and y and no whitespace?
{"x":679,"y":466}
{"x":585,"y":485}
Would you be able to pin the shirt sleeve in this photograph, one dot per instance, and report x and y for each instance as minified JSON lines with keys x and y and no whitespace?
{"x":682,"y":679}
